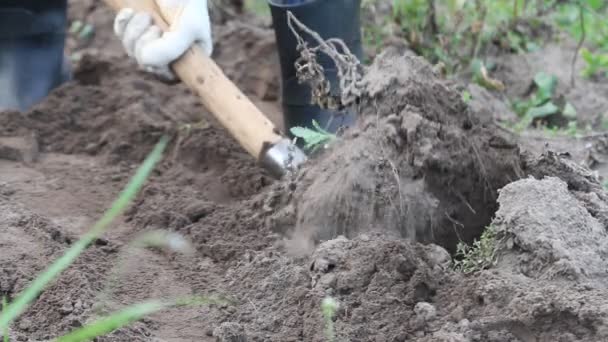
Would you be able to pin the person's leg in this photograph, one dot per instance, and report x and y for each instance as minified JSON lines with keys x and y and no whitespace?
{"x":32,"y":34}
{"x":331,"y":19}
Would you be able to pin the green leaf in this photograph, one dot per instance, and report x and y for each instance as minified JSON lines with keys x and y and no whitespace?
{"x":87,"y":32}
{"x":466,"y":97}
{"x":312,"y":138}
{"x":329,"y":307}
{"x":76,"y":26}
{"x":546,"y":85}
{"x":595,"y":4}
{"x":316,"y":125}
{"x":113,"y":322}
{"x":5,"y":330}
{"x":572,"y":129}
{"x":24,"y":299}
{"x":569,"y":111}
{"x":131,"y":314}
{"x":587,"y":55}
{"x":542,"y":111}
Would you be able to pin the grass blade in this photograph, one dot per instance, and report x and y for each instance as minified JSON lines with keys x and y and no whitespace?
{"x":115,"y":321}
{"x":131,"y":314}
{"x":5,"y":330}
{"x":20,"y":304}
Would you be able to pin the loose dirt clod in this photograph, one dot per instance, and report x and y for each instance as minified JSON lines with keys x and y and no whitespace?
{"x":554,"y":234}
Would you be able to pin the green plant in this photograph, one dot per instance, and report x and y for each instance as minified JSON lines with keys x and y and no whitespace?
{"x":329,"y":307}
{"x":412,"y":11}
{"x":5,"y":330}
{"x":592,"y":27}
{"x":11,"y":311}
{"x":127,"y":316}
{"x":466,"y":96}
{"x":481,"y":255}
{"x":115,"y":321}
{"x":540,"y":104}
{"x":595,"y":63}
{"x":313,"y":138}
{"x":82,"y":30}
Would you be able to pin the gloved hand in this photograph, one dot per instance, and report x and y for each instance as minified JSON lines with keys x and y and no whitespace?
{"x":154,"y":50}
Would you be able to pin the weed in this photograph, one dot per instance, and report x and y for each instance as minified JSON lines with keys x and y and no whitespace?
{"x":113,"y":322}
{"x":568,"y":17}
{"x":594,"y":63}
{"x":329,"y":307}
{"x":127,"y":316}
{"x":466,"y":97}
{"x":5,"y":330}
{"x":481,"y":255}
{"x":456,"y":32}
{"x":313,"y":138}
{"x":540,"y":105}
{"x":82,"y":30}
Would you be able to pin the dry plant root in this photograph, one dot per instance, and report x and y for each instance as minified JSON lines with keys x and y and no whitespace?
{"x":308,"y":69}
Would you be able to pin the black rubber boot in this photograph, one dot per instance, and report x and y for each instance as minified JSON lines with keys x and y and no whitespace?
{"x":32,"y":41}
{"x":331,"y":19}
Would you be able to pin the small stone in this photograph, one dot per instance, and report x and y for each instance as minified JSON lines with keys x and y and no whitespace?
{"x":198,"y":210}
{"x":437,"y":256}
{"x":6,"y":190}
{"x":66,"y":309}
{"x":328,"y":281}
{"x":457,"y":314}
{"x":25,"y":324}
{"x":425,"y":311}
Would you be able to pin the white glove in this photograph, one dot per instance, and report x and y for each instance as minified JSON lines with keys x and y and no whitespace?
{"x":154,"y":50}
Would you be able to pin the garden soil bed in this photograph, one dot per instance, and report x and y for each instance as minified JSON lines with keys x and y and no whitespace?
{"x":371,"y":222}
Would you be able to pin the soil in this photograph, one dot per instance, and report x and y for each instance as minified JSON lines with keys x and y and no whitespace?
{"x":371,"y":221}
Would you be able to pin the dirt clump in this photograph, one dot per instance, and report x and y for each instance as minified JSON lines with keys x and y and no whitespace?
{"x":378,"y":282}
{"x":555,"y":235}
{"x":551,"y":269}
{"x":421,"y":164}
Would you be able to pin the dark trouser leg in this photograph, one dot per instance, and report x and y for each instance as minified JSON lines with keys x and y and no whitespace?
{"x":331,"y":19}
{"x":32,"y":35}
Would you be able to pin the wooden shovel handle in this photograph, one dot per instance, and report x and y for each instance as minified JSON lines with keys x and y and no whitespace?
{"x":245,"y":122}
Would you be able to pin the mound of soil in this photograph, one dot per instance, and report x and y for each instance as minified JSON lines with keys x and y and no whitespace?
{"x":421,"y":164}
